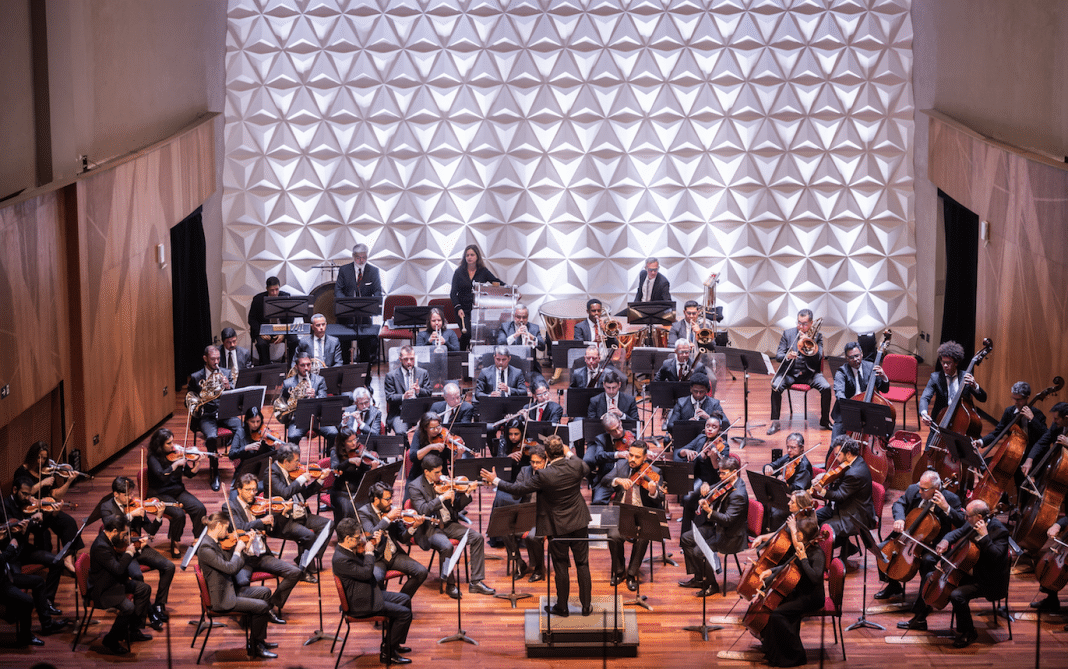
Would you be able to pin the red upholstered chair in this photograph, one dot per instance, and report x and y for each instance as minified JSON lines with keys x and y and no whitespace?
{"x":902,"y":370}
{"x":391,"y":303}
{"x":348,"y":619}
{"x":878,"y":499}
{"x":207,"y":616}
{"x":81,"y":579}
{"x":323,"y":503}
{"x":827,"y":544}
{"x":802,"y":388}
{"x":832,"y":603}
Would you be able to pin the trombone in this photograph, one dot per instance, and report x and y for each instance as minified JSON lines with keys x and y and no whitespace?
{"x":805,"y":345}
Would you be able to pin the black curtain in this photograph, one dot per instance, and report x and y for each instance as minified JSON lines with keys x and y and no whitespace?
{"x":962,"y":267}
{"x":189,"y":287}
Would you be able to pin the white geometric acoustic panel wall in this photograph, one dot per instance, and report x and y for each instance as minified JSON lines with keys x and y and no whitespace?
{"x":769,"y":141}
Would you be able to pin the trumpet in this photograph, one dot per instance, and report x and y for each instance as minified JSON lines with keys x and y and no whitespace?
{"x":525,"y":337}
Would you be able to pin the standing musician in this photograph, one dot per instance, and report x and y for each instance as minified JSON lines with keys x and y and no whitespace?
{"x":652,"y":285}
{"x":947,"y":510}
{"x":166,"y":468}
{"x":623,"y":489}
{"x":350,"y":461}
{"x":502,"y":379}
{"x":722,"y":522}
{"x":404,"y":383}
{"x":362,"y":416}
{"x":592,"y":374}
{"x":28,"y":525}
{"x":207,"y":383}
{"x":221,"y":568}
{"x":251,"y":440}
{"x":687,"y":328}
{"x":849,"y":509}
{"x":234,"y":356}
{"x":110,"y":558}
{"x":360,"y":279}
{"x":705,"y":452}
{"x":793,"y":468}
{"x":698,"y":406}
{"x":432,"y":497}
{"x":562,"y":515}
{"x":852,"y":379}
{"x":804,"y":369}
{"x":589,"y":330}
{"x":521,"y":332}
{"x":604,"y":452}
{"x":681,"y":367}
{"x":470,"y":270}
{"x":256,"y":318}
{"x":354,"y":564}
{"x":613,"y":400}
{"x":304,"y":384}
{"x":37,"y":466}
{"x":453,"y":409}
{"x":989,"y":577}
{"x":781,"y":635}
{"x":1047,"y":598}
{"x":436,"y":332}
{"x":123,"y":502}
{"x":20,"y":603}
{"x":259,"y":557}
{"x":431,"y":439}
{"x":321,"y":346}
{"x":297,"y":523}
{"x":944,"y":384}
{"x":550,"y":412}
{"x":379,"y":515}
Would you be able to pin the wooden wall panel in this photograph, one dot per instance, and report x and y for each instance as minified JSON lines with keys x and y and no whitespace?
{"x":40,"y":422}
{"x":1022,"y":302}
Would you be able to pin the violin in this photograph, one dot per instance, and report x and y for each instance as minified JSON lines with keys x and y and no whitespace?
{"x":459,"y":484}
{"x":281,"y":505}
{"x":624,"y":442}
{"x":259,"y":507}
{"x":829,"y":478}
{"x":723,"y":487}
{"x":189,"y":454}
{"x":409,"y":517}
{"x":263,"y":436}
{"x":451,"y":440}
{"x":229,"y":542}
{"x":152,"y":506}
{"x":64,"y":471}
{"x":46,"y":505}
{"x":313,"y":470}
{"x":126,"y":539}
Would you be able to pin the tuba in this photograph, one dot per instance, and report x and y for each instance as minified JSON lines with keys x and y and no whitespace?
{"x":806,"y":344}
{"x":705,"y":337}
{"x":301,"y":391}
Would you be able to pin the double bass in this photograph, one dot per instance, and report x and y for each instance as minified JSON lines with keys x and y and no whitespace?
{"x":961,"y":417}
{"x":873,"y":449}
{"x":956,"y":563}
{"x":1043,"y":509}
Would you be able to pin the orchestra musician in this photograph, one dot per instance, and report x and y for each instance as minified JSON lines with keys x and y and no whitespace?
{"x":623,"y":488}
{"x":123,"y":501}
{"x":514,"y":445}
{"x":521,"y":332}
{"x":1047,"y":599}
{"x":430,"y":439}
{"x":804,"y":369}
{"x":722,"y":522}
{"x":1056,"y":434}
{"x":321,"y":346}
{"x":471,"y":269}
{"x":687,"y":328}
{"x":253,"y":439}
{"x":602,"y":454}
{"x":592,"y":373}
{"x":232,"y":354}
{"x":354,"y":564}
{"x":989,"y":577}
{"x":849,"y":509}
{"x":1036,"y":420}
{"x":110,"y":558}
{"x":562,"y":515}
{"x":432,"y":497}
{"x":947,"y":509}
{"x":613,"y":400}
{"x":259,"y":557}
{"x":221,"y":568}
{"x":27,"y":552}
{"x":405,"y":382}
{"x":436,"y":332}
{"x":362,"y":416}
{"x":166,"y":468}
{"x":797,"y":475}
{"x":304,"y":384}
{"x":705,"y":452}
{"x":207,"y":382}
{"x":698,"y":406}
{"x":944,"y":383}
{"x":502,"y":379}
{"x":453,"y":409}
{"x":350,"y":465}
{"x":535,"y":544}
{"x":652,"y":285}
{"x":550,"y":412}
{"x":681,"y":367}
{"x":379,"y":515}
{"x":851,"y":379}
{"x":360,"y":279}
{"x":22,"y":593}
{"x":38,"y":467}
{"x":589,"y":330}
{"x":298,"y":523}
{"x":256,"y":318}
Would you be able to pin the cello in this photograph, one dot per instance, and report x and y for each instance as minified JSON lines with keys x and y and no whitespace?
{"x":898,"y":558}
{"x":1042,"y":510}
{"x":1002,"y":465}
{"x":777,"y":589}
{"x":776,"y":549}
{"x":961,"y":417}
{"x":952,"y":568}
{"x":1051,"y":571}
{"x":873,"y":449}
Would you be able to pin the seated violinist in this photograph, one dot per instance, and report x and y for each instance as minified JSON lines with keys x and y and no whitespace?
{"x":21,"y":593}
{"x":51,"y":481}
{"x":604,"y":452}
{"x":144,"y":521}
{"x":632,"y":481}
{"x":254,"y":515}
{"x":704,"y":452}
{"x":251,"y":440}
{"x":989,"y":577}
{"x":513,"y":444}
{"x":27,"y":515}
{"x":1047,"y":598}
{"x":794,"y":468}
{"x":945,"y":507}
{"x":721,"y":520}
{"x":167,"y":466}
{"x":613,"y":400}
{"x":290,"y":481}
{"x":379,"y":515}
{"x":362,"y":416}
{"x":431,"y":438}
{"x":846,"y":489}
{"x":350,"y":460}
{"x":434,"y":498}
{"x":110,"y":585}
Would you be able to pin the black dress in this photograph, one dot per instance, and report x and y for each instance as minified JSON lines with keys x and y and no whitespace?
{"x":782,"y":634}
{"x":463,"y":296}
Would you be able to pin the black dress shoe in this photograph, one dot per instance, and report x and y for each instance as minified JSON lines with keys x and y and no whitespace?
{"x":1047,"y":604}
{"x":53,"y":611}
{"x":452,"y":591}
{"x":160,"y":612}
{"x":261,"y":650}
{"x":587,"y":610}
{"x":114,"y":646}
{"x":155,"y":623}
{"x":402,"y":649}
{"x":52,"y":627}
{"x":825,"y":425}
{"x":553,"y":610}
{"x":615,"y":580}
{"x":480,"y":588}
{"x":138,"y":635}
{"x":394,"y":658}
{"x":215,"y":485}
{"x":708,"y":591}
{"x":309,"y":577}
{"x":521,"y":569}
{"x":919,"y":624}
{"x":536,"y":576}
{"x":889,"y":591}
{"x":692,"y":583}
{"x":632,"y":583}
{"x":966,"y":639}
{"x":269,"y":645}
{"x":275,"y":618}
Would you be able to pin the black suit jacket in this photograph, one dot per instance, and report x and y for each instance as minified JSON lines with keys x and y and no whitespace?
{"x":669,"y":371}
{"x":1042,"y":445}
{"x":357,"y":574}
{"x":196,"y":381}
{"x":661,"y":288}
{"x":551,"y":413}
{"x":220,"y":567}
{"x":729,"y":516}
{"x":599,"y":406}
{"x":580,"y":377}
{"x":138,"y":525}
{"x":487,"y":383}
{"x":425,"y":501}
{"x":937,"y":390}
{"x":371,"y":523}
{"x":850,"y":497}
{"x":991,"y":571}
{"x":107,"y":567}
{"x":465,"y":413}
{"x":622,"y":470}
{"x":702,"y":466}
{"x":802,"y":478}
{"x":395,"y":388}
{"x":560,"y":505}
{"x":681,"y":330}
{"x":1036,"y":427}
{"x":584,"y":331}
{"x":805,"y":366}
{"x":244,"y":357}
{"x":346,"y":286}
{"x":508,"y":329}
{"x":683,"y":410}
{"x":948,"y":521}
{"x":845,"y":386}
{"x":373,"y":424}
{"x":255,"y":313}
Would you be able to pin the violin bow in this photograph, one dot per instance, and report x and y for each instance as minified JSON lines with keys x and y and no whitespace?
{"x":63,"y":450}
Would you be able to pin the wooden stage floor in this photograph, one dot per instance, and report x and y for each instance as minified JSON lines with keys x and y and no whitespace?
{"x":499,"y":628}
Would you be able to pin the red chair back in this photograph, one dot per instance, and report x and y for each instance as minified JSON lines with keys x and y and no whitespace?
{"x":393,"y":301}
{"x":342,"y":598}
{"x":754,"y":522}
{"x":827,"y":545}
{"x":328,"y":482}
{"x":835,"y":586}
{"x":445,"y":304}
{"x":900,"y":368}
{"x":81,"y":574}
{"x":202,"y":585}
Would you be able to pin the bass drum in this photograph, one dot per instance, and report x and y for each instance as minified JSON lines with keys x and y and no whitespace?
{"x":322,"y":299}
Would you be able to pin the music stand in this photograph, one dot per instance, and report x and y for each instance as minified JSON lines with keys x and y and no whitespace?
{"x":512,"y":520}
{"x":665,"y":394}
{"x":650,"y":314}
{"x":460,"y":635}
{"x":738,"y":360}
{"x":410,"y":317}
{"x":310,"y":555}
{"x":413,"y":408}
{"x":387,"y":445}
{"x":561,"y":349}
{"x":325,"y":410}
{"x":769,"y":491}
{"x":492,"y":409}
{"x":704,"y":628}
{"x":677,"y":476}
{"x":234,"y":403}
{"x":345,"y":378}
{"x":639,"y":522}
{"x":254,"y":465}
{"x":357,"y":307}
{"x":270,"y":376}
{"x":958,"y":446}
{"x":287,"y":309}
{"x":536,"y":428}
{"x":578,"y":401}
{"x":470,"y":467}
{"x":868,"y":418}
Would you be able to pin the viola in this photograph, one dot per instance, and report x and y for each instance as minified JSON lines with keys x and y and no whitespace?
{"x":263,"y":436}
{"x":873,"y":449}
{"x":723,"y":487}
{"x":776,"y":549}
{"x":957,"y":562}
{"x":828,"y":478}
{"x":313,"y":470}
{"x":1052,"y":568}
{"x":152,"y":506}
{"x":126,"y":539}
{"x":624,"y":442}
{"x":281,"y":505}
{"x":409,"y":517}
{"x":64,"y":471}
{"x":259,"y":507}
{"x":229,"y":542}
{"x":190,"y":454}
{"x":460,"y":484}
{"x":451,"y":440}
{"x":46,"y":505}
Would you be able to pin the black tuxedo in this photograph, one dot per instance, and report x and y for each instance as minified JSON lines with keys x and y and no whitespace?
{"x":669,"y":371}
{"x":110,"y":582}
{"x":550,"y":413}
{"x":414,"y":572}
{"x":936,"y":397}
{"x":661,"y":288}
{"x":849,"y":508}
{"x":487,"y":382}
{"x":625,"y":402}
{"x":395,"y":387}
{"x":464,"y":413}
{"x":805,"y":369}
{"x":256,"y":319}
{"x":684,"y":410}
{"x":370,"y":285}
{"x":221,"y":572}
{"x":366,"y":598}
{"x":148,"y":556}
{"x":425,"y":501}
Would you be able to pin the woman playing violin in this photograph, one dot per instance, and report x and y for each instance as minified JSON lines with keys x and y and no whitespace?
{"x":720,"y":520}
{"x":514,"y":445}
{"x":51,"y":517}
{"x":704,"y":452}
{"x":431,"y":437}
{"x":38,"y":466}
{"x":252,"y":439}
{"x":351,"y":458}
{"x":165,"y":474}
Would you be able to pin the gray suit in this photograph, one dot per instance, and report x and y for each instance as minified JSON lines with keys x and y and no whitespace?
{"x":331,"y":354}
{"x":220,"y":571}
{"x":425,"y":501}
